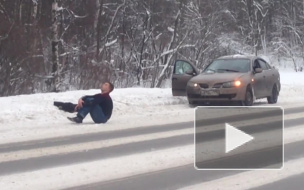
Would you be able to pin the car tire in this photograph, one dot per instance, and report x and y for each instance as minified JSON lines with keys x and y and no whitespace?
{"x":274,"y":95}
{"x":191,"y":104}
{"x":248,"y":101}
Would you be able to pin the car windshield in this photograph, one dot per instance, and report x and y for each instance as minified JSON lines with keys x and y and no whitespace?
{"x":229,"y":65}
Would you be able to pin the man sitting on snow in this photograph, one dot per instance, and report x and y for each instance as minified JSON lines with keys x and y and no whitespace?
{"x":99,"y":106}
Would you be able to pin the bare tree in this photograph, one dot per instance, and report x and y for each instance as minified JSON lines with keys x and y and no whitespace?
{"x":60,"y":45}
{"x":55,"y":82}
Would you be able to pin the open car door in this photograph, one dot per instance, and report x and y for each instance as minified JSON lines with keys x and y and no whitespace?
{"x":182,"y":73}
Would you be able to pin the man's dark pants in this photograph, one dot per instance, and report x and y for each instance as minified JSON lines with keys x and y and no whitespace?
{"x":95,"y":111}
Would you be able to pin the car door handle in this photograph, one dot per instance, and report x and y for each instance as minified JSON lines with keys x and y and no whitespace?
{"x":174,"y":78}
{"x":264,"y":76}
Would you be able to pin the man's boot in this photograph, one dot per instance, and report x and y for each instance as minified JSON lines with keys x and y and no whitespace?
{"x":75,"y":119}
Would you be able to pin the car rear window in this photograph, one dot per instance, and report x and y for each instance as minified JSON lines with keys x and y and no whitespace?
{"x":229,"y":65}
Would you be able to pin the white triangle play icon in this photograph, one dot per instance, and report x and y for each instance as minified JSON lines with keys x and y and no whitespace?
{"x":235,"y":138}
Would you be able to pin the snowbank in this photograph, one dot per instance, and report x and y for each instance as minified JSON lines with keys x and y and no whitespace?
{"x":28,"y":117}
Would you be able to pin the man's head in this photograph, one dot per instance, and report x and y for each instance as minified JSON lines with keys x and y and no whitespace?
{"x":107,"y":87}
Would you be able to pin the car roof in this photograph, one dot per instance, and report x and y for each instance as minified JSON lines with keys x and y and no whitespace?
{"x":238,"y":56}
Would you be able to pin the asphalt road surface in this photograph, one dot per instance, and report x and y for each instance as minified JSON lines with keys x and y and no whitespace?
{"x":295,"y":182}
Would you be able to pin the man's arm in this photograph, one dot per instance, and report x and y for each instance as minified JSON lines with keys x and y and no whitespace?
{"x":97,"y":99}
{"x":81,"y":102}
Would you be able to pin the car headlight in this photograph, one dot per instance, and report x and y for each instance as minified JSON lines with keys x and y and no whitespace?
{"x":192,"y":84}
{"x":232,"y":84}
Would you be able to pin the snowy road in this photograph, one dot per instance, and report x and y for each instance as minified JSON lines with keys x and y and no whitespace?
{"x":151,"y":157}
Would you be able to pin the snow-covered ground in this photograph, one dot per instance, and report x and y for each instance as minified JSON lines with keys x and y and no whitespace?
{"x":29,"y":117}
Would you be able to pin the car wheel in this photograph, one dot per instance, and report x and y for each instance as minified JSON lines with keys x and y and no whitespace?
{"x":248,"y":98}
{"x":191,"y":104}
{"x":274,"y":95}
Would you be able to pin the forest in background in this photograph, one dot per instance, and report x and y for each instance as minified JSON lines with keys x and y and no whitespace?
{"x":59,"y":45}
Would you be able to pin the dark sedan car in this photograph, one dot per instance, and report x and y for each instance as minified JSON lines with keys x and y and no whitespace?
{"x":235,"y":78}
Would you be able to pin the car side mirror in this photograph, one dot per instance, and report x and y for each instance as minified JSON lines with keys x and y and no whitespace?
{"x":190,"y":73}
{"x":258,"y":70}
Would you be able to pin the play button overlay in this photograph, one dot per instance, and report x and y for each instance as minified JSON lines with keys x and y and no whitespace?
{"x":239,"y":138}
{"x":235,"y":138}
